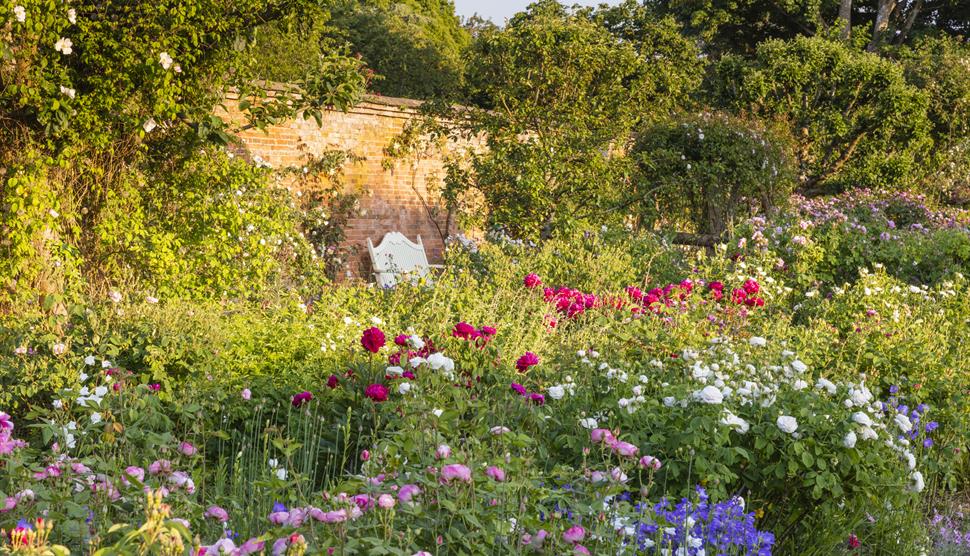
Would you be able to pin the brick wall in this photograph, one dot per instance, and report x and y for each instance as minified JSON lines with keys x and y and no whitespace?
{"x":395,"y":199}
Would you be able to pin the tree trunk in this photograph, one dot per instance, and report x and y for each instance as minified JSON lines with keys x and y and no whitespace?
{"x":886,"y":8}
{"x":910,"y":20}
{"x":845,"y":18}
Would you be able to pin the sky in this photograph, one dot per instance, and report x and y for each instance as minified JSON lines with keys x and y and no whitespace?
{"x":500,"y":10}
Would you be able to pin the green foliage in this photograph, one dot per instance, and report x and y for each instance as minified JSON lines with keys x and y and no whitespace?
{"x":708,"y":170}
{"x":941,"y":68}
{"x":416,"y":47}
{"x":856,"y":120}
{"x":560,"y":95}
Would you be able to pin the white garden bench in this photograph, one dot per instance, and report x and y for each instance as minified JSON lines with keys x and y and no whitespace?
{"x":397,"y":256}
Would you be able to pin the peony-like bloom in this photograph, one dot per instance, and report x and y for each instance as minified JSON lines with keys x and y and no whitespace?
{"x":187,"y":449}
{"x":385,"y":501}
{"x":465,"y":331}
{"x":537,"y":398}
{"x":372,"y":339}
{"x":217,"y":513}
{"x":377,"y":392}
{"x":787,"y":424}
{"x":246,"y":394}
{"x":556,"y":392}
{"x":456,"y":471}
{"x":519,"y":389}
{"x":574,"y":534}
{"x":442,"y":452}
{"x":301,"y":398}
{"x":532,"y":280}
{"x":527,"y":360}
{"x":401,"y":340}
{"x":751,"y":287}
{"x":333,"y":381}
{"x":495,"y":473}
{"x":497,"y":430}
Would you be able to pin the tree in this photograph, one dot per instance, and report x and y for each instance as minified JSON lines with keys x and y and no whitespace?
{"x":704,"y":171}
{"x":556,"y":95}
{"x":414,"y":46}
{"x":738,"y":26}
{"x":856,"y":119}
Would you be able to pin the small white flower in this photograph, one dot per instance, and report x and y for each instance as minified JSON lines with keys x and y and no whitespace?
{"x":867,"y":433}
{"x":165,"y":60}
{"x":64,"y":46}
{"x":588,"y":423}
{"x":437,"y":412}
{"x":669,"y":401}
{"x":114,"y":296}
{"x":151,"y":299}
{"x":59,"y":349}
{"x":58,"y":404}
{"x":556,"y":392}
{"x":376,"y":321}
{"x":799,"y":366}
{"x":787,"y":424}
{"x":95,"y":418}
{"x":281,"y":474}
{"x":72,"y":16}
{"x":849,"y":440}
{"x":106,"y":364}
{"x":404,"y":388}
{"x":758,"y":341}
{"x":84,"y":376}
{"x":416,"y":341}
{"x":149,"y":125}
{"x":68,"y":92}
{"x":499,"y":430}
{"x":394,"y":371}
{"x":20,"y":13}
{"x":799,"y":385}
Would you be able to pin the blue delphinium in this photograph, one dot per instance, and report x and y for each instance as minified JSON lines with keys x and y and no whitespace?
{"x":698,"y":527}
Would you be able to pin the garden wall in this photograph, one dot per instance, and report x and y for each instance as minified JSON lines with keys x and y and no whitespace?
{"x":394,"y":196}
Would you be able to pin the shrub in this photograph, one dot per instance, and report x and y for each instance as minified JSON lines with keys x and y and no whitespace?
{"x":707,"y":171}
{"x":855,"y":119}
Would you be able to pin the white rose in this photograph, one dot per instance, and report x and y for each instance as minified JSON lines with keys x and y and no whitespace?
{"x":165,"y":60}
{"x":731,"y":420}
{"x":903,"y":422}
{"x":439,"y":361}
{"x":556,"y":392}
{"x":64,"y":46}
{"x":862,"y":418}
{"x":709,"y":394}
{"x":827,"y":385}
{"x":404,"y":388}
{"x":20,"y":13}
{"x":787,"y":424}
{"x":849,"y":440}
{"x":918,"y":483}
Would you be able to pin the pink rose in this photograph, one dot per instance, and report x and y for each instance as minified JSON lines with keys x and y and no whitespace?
{"x":496,"y":473}
{"x":574,"y":534}
{"x":456,"y":471}
{"x":385,"y":501}
{"x":217,"y":513}
{"x":624,"y":449}
{"x":187,"y":449}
